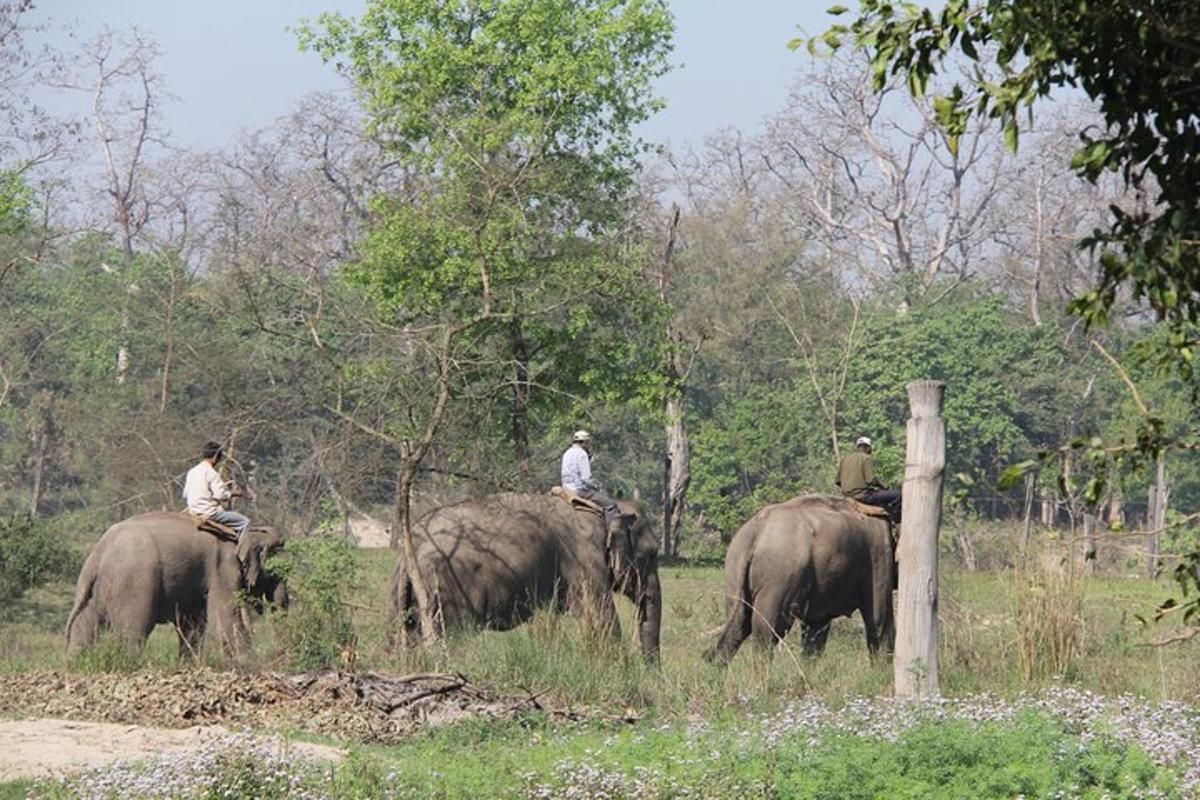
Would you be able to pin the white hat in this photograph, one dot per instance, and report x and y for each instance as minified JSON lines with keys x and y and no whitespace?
{"x":863,"y":440}
{"x":581,"y":436}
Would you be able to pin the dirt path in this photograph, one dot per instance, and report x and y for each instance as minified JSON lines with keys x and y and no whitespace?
{"x":36,"y":748}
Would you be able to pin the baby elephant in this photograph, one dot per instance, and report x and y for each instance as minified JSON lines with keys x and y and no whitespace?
{"x":158,"y":567}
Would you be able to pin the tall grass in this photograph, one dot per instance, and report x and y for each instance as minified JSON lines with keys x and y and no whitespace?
{"x":1048,"y":613}
{"x":1000,"y":632}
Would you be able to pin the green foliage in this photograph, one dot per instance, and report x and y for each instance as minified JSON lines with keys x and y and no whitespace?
{"x":1004,"y":380}
{"x":16,"y":203}
{"x":111,"y":654}
{"x":740,"y":464}
{"x":322,"y":576}
{"x":515,"y":118}
{"x":998,"y":371}
{"x":29,"y":556}
{"x":1138,"y":65}
{"x":1033,"y":758}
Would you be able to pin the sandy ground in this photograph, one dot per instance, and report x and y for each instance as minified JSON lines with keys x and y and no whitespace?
{"x":35,"y":748}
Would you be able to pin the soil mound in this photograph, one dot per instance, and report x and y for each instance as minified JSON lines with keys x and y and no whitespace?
{"x":368,"y":707}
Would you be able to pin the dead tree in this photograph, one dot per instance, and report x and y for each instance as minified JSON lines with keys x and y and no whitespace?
{"x":677,"y":471}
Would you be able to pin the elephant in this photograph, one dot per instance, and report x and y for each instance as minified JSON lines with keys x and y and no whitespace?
{"x":492,"y":562}
{"x":810,"y":559}
{"x":158,"y":567}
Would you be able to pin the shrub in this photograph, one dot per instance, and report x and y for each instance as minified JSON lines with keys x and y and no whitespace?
{"x":322,"y":574}
{"x":29,"y":556}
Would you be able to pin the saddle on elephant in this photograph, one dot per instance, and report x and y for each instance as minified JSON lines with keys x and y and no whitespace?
{"x":868,"y":510}
{"x":211,"y":526}
{"x":577,"y":502}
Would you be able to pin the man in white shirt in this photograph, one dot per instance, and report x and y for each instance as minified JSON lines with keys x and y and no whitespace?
{"x":577,"y":474}
{"x":205,"y":491}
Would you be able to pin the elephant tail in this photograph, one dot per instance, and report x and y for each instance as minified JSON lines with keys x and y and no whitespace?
{"x":740,"y":603}
{"x":83,"y":625}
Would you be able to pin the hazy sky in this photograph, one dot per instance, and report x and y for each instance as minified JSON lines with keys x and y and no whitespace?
{"x":233,"y":64}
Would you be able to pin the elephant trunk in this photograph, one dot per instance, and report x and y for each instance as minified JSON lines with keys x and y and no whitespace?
{"x":280,"y":596}
{"x":649,"y":615}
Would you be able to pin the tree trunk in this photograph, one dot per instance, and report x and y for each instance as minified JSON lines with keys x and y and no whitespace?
{"x":169,"y":336}
{"x":965,"y":549}
{"x":1089,"y":541}
{"x":1027,"y":523}
{"x":402,"y":536}
{"x":677,"y":471}
{"x":1156,"y":515}
{"x":411,"y":458}
{"x":520,"y":400}
{"x":915,"y":664}
{"x":677,"y":475}
{"x":39,"y":467}
{"x":1035,"y":290}
{"x":1116,"y":510}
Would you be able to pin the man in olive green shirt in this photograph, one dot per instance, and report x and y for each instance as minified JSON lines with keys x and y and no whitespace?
{"x":856,"y":478}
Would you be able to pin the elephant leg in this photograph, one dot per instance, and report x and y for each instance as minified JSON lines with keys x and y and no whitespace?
{"x":814,"y":634}
{"x":134,"y":619}
{"x":876,"y":610}
{"x":771,"y":617}
{"x":224,"y":621}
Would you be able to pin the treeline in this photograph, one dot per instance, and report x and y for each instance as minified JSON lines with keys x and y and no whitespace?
{"x":312,"y":295}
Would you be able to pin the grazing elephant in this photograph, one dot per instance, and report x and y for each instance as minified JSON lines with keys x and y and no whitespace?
{"x":158,"y":567}
{"x":810,"y":559}
{"x":492,"y":562}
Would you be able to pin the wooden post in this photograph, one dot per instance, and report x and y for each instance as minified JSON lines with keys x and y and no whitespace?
{"x":916,"y":658}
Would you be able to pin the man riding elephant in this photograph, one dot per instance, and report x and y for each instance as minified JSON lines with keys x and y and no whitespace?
{"x":856,"y":478}
{"x":205,"y":491}
{"x":576,"y":474}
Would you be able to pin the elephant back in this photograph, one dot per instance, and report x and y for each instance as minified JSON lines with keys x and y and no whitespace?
{"x":164,"y":522}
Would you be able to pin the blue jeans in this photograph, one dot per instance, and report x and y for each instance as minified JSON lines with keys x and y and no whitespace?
{"x":233,"y":519}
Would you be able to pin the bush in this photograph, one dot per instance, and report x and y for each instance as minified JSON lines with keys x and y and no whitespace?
{"x":28,"y":556}
{"x":322,"y":574}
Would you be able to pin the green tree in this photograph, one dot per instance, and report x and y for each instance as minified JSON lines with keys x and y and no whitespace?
{"x":516,"y":119}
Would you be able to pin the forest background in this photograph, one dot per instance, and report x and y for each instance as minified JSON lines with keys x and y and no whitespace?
{"x":156,"y":296}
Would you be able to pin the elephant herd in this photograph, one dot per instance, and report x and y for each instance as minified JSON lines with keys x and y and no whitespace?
{"x":492,"y":562}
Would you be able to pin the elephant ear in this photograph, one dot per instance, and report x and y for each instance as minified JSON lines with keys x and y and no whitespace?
{"x":249,"y":553}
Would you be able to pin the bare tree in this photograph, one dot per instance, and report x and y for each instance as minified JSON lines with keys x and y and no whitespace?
{"x":117,"y":71}
{"x":677,"y":470}
{"x":1045,"y":212}
{"x":872,"y":178}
